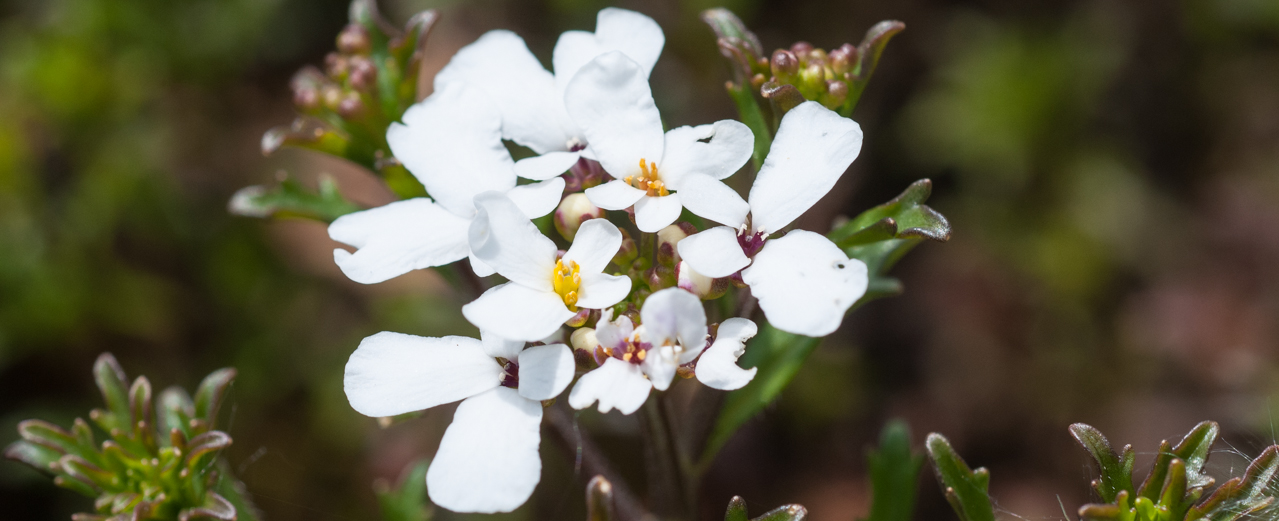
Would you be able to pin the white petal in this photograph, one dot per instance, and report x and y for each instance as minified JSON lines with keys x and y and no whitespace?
{"x":488,"y":460}
{"x":716,"y":150}
{"x":661,"y":365}
{"x":611,"y":102}
{"x":498,"y":347}
{"x":478,"y":266}
{"x":500,"y":65}
{"x":813,"y":147}
{"x":717,"y":368}
{"x":673,"y":314}
{"x":398,"y":238}
{"x":614,"y":195}
{"x":545,"y":371}
{"x":516,"y":312}
{"x":538,"y":199}
{"x":546,"y":166}
{"x":452,"y":142}
{"x":616,"y":385}
{"x":612,"y":333}
{"x":712,"y":199}
{"x":636,"y":35}
{"x":600,"y":290}
{"x":714,"y":252}
{"x":655,"y":213}
{"x":393,"y":373}
{"x":594,"y":246}
{"x":502,"y":236}
{"x":804,"y":283}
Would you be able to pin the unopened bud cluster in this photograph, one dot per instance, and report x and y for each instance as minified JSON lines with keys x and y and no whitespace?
{"x":819,"y":75}
{"x":156,"y":463}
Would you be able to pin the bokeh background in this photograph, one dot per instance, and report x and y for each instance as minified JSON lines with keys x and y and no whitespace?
{"x":1111,"y":170}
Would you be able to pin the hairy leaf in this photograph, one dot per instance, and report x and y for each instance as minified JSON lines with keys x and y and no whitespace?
{"x":965,"y":489}
{"x":894,"y":473}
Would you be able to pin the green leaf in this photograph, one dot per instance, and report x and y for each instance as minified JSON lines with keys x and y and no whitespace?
{"x":291,"y":199}
{"x":112,"y":382}
{"x":868,"y":53}
{"x":1195,"y":448}
{"x":894,"y":474}
{"x":407,"y":501}
{"x":176,"y":410}
{"x":737,"y":510}
{"x":211,"y":393}
{"x":314,"y":134}
{"x":39,"y":457}
{"x":233,"y":491}
{"x":785,"y":513}
{"x":1116,"y":470}
{"x":904,"y":217}
{"x":1243,"y":495}
{"x":778,"y":355}
{"x":965,"y":489}
{"x":750,"y":114}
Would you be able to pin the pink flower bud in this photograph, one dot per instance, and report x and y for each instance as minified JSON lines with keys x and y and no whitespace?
{"x":354,"y":39}
{"x":573,"y":210}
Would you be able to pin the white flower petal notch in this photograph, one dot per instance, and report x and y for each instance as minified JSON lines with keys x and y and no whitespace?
{"x":611,"y":101}
{"x":545,"y":291}
{"x":804,"y":282}
{"x":488,"y":460}
{"x":635,"y":360}
{"x":717,"y":368}
{"x":454,"y":164}
{"x":531,"y":99}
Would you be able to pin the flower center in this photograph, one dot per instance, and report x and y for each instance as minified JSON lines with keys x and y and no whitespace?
{"x":649,"y":181}
{"x":566,"y":280}
{"x":511,"y":375}
{"x":751,"y":243}
{"x":631,"y":350}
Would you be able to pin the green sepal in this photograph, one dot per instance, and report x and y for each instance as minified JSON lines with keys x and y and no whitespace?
{"x":965,"y":488}
{"x":407,"y":501}
{"x":291,"y":199}
{"x":894,"y":474}
{"x":904,"y":217}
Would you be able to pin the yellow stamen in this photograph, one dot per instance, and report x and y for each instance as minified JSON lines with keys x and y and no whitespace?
{"x":566,"y":280}
{"x":642,"y":355}
{"x":649,"y":180}
{"x":626,"y":357}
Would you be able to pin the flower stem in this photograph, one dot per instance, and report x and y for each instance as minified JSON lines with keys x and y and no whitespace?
{"x":588,"y":457}
{"x":671,"y":490}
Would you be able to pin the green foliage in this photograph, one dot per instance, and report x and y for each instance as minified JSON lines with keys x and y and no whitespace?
{"x":291,"y":199}
{"x":894,"y":474}
{"x":737,"y":512}
{"x":163,"y":467}
{"x":407,"y":501}
{"x":965,"y":488}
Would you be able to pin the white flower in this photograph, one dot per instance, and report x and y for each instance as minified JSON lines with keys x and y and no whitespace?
{"x":672,"y":333}
{"x":804,"y":282}
{"x":420,"y":233}
{"x":610,"y":99}
{"x":488,"y":460}
{"x":531,"y":99}
{"x":544,"y":291}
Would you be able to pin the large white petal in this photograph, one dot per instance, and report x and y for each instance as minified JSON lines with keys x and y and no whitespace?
{"x":813,"y":147}
{"x":452,"y":142}
{"x":488,"y":460}
{"x":516,"y":312}
{"x":804,"y":283}
{"x":616,"y":385}
{"x":478,"y":266}
{"x":714,"y":252}
{"x":498,"y":347}
{"x":712,"y":199}
{"x":614,"y":195}
{"x":538,"y":199}
{"x":654,"y":213}
{"x":717,"y":368}
{"x":546,"y":166}
{"x":600,"y":290}
{"x":594,"y":246}
{"x":503,"y":237}
{"x":394,"y":373}
{"x":398,"y":238}
{"x":660,"y":365}
{"x":636,"y":35}
{"x":545,"y":371}
{"x":673,"y":314}
{"x":611,"y":102}
{"x":717,"y":150}
{"x":500,"y":65}
{"x":612,"y":333}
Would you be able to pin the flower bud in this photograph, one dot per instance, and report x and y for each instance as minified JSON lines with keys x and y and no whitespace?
{"x":573,"y":210}
{"x":579,"y":319}
{"x":628,"y":252}
{"x":351,"y":106}
{"x":784,"y":64}
{"x":660,"y":277}
{"x":306,"y":98}
{"x":836,"y":93}
{"x":336,"y":66}
{"x":693,"y":282}
{"x":362,"y":74}
{"x":667,"y":239}
{"x":354,"y":39}
{"x":584,"y":339}
{"x":812,"y":75}
{"x":801,"y":49}
{"x":817,"y":56}
{"x":332,"y":96}
{"x":841,"y":59}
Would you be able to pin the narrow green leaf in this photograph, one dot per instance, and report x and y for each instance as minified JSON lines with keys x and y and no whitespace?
{"x":894,"y":474}
{"x":868,"y":53}
{"x":39,"y":457}
{"x":1244,"y":495}
{"x":785,"y":513}
{"x":112,"y":382}
{"x":1195,"y":449}
{"x":908,"y":215}
{"x":737,"y":510}
{"x":291,"y":199}
{"x":176,"y":410}
{"x":407,"y":501}
{"x":964,"y":488}
{"x":1116,"y":470}
{"x":211,"y":393}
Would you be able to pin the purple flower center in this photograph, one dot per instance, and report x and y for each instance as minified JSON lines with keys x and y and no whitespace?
{"x":512,"y":377}
{"x":631,"y":351}
{"x":751,"y":243}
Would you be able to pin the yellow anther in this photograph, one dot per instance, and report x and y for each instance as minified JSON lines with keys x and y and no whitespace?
{"x":566,"y":280}
{"x":626,"y":357}
{"x":649,"y":180}
{"x":641,"y":355}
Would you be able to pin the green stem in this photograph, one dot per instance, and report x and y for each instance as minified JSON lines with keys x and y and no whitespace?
{"x":670,"y":492}
{"x":748,"y":109}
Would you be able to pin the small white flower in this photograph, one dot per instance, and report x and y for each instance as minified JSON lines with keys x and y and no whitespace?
{"x":804,"y":282}
{"x":638,"y":359}
{"x":418,"y":233}
{"x":544,"y":291}
{"x":531,"y":99}
{"x":610,"y":99}
{"x":488,"y":460}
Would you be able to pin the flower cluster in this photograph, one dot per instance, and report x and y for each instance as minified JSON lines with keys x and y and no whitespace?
{"x":585,"y":301}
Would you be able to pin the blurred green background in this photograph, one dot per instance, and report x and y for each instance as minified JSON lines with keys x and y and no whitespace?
{"x":1111,"y":169}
